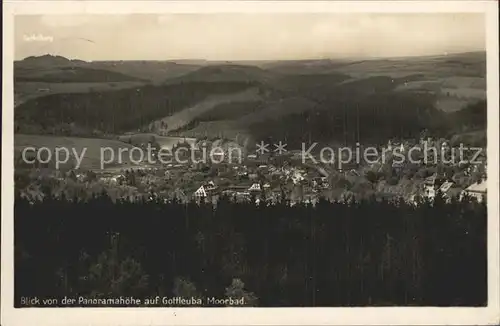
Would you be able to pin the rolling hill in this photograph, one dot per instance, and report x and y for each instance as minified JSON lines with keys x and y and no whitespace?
{"x":116,"y":111}
{"x":324,"y":100}
{"x":48,"y":74}
{"x":57,"y":69}
{"x":153,"y":71}
{"x":71,"y":75}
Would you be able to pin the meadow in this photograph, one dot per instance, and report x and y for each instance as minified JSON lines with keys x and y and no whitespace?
{"x":92,"y":155}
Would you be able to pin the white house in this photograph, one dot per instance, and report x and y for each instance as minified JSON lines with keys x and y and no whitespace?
{"x":477,"y":190}
{"x":445,"y":186}
{"x":429,"y":192}
{"x":255,"y":187}
{"x":201,"y":192}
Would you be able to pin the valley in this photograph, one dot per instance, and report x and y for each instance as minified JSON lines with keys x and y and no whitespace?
{"x":328,"y":100}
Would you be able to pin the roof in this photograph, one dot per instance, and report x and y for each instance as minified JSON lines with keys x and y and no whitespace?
{"x":200,"y":192}
{"x":255,"y":186}
{"x":431,"y":179}
{"x":477,"y":187}
{"x":445,"y":186}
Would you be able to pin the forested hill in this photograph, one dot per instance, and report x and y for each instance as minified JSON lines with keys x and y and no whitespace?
{"x":294,"y":113}
{"x":115,"y":111}
{"x":367,"y":101}
{"x":334,"y":254}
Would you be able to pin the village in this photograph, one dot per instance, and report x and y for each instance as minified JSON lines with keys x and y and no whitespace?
{"x":273,"y":177}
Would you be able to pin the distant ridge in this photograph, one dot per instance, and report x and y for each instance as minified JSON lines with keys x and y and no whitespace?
{"x":204,"y":62}
{"x":58,"y":69}
{"x":225,"y":73}
{"x":49,"y":59}
{"x":297,"y":101}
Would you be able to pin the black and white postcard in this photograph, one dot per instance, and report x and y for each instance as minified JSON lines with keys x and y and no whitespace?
{"x":233,"y":163}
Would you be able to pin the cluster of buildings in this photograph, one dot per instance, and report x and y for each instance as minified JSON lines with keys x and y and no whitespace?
{"x":265,"y":182}
{"x":433,"y":187}
{"x":256,"y":179}
{"x":259,"y":177}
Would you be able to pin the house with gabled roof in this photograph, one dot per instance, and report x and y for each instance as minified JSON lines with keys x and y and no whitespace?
{"x":255,"y":188}
{"x":477,"y":190}
{"x":200,"y":193}
{"x":445,"y":186}
{"x":205,"y":190}
{"x":449,"y":190}
{"x":430,"y":181}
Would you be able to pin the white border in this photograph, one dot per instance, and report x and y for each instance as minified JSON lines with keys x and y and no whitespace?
{"x":243,"y":316}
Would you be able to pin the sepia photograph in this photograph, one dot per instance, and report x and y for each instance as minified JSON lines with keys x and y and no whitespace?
{"x":250,"y":159}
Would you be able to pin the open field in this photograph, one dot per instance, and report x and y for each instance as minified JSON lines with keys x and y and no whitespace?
{"x":462,"y":64}
{"x":186,"y":116}
{"x":164,"y":141}
{"x":28,"y":90}
{"x":154,"y":71}
{"x":69,"y":75}
{"x":226,"y":129}
{"x":39,"y":76}
{"x":92,"y":146}
{"x":57,"y":67}
{"x":453,"y":93}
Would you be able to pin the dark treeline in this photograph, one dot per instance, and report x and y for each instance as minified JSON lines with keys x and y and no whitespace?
{"x":373,"y":120}
{"x":370,"y":119}
{"x":472,"y":117}
{"x":334,"y":254}
{"x":116,"y":111}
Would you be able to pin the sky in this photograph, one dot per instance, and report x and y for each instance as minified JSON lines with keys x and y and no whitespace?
{"x":285,"y":36}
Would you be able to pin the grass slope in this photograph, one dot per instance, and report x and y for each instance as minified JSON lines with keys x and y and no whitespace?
{"x":92,"y":154}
